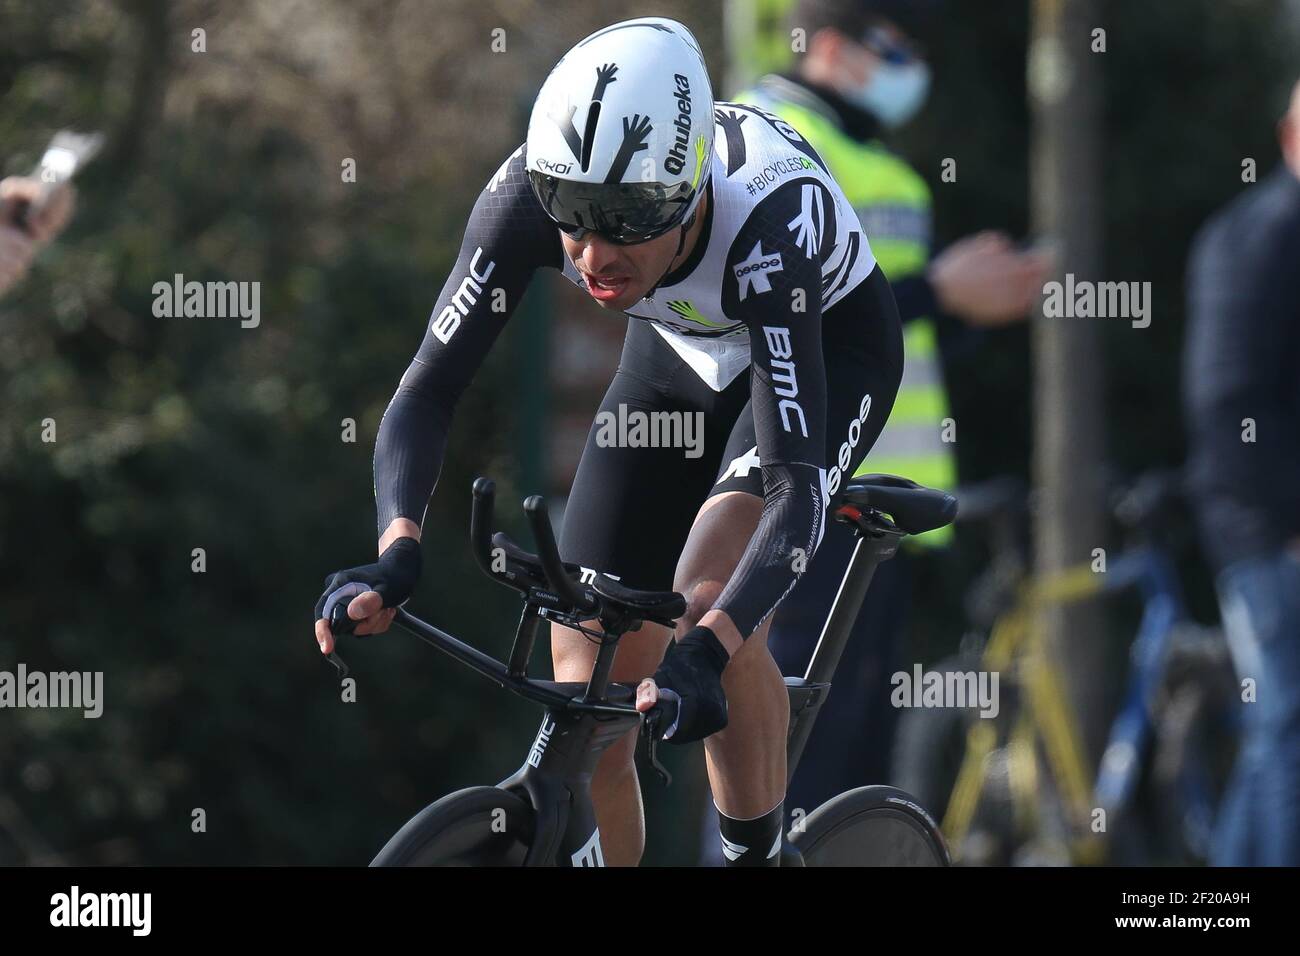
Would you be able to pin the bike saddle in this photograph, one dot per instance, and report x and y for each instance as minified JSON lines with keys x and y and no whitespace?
{"x":914,"y":508}
{"x":651,"y":604}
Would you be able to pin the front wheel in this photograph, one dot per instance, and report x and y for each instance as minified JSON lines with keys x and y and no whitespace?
{"x":478,"y":826}
{"x":870,"y":826}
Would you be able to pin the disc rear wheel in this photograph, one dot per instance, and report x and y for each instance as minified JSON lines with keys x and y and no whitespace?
{"x":870,"y":826}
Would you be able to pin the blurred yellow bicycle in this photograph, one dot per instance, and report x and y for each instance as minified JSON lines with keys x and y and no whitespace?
{"x":1018,"y":787}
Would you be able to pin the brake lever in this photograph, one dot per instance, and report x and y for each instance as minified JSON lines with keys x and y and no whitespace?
{"x":340,"y":624}
{"x":334,"y":658}
{"x":649,"y":746}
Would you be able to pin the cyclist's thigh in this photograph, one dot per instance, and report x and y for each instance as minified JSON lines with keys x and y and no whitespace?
{"x":631,"y":505}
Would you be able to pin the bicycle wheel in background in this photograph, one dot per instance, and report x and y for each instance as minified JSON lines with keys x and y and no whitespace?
{"x":478,"y":826}
{"x":870,"y":826}
{"x":929,"y":746}
{"x":1197,"y":717}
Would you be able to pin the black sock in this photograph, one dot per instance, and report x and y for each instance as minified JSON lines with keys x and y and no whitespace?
{"x":755,"y":842}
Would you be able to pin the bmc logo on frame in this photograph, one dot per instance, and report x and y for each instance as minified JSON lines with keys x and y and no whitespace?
{"x":471,"y":287}
{"x":543,"y":738}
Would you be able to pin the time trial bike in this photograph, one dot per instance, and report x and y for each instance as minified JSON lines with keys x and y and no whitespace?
{"x":542,"y":815}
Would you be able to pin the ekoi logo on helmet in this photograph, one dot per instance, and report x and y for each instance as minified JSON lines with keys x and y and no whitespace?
{"x":557,"y":169}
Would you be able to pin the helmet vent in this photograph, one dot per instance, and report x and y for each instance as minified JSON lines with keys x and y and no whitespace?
{"x":589,"y":134}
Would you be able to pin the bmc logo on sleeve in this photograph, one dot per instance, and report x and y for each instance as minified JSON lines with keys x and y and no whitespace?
{"x":471,"y":287}
{"x":783,"y":377}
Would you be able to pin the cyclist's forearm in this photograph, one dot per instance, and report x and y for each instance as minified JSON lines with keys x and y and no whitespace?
{"x":783,"y":544}
{"x":409,"y":451}
{"x":399,"y":528}
{"x":788,"y":397}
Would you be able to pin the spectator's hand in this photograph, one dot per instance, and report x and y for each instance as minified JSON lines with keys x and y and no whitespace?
{"x":16,"y":251}
{"x":48,"y":213}
{"x":50,"y":206}
{"x":985,"y":281}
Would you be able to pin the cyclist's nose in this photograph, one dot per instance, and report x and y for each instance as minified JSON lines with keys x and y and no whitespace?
{"x":599,"y":254}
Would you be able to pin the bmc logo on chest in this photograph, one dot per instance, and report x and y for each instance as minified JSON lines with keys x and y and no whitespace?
{"x":471,"y":287}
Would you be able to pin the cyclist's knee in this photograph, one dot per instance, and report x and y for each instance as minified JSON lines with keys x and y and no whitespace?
{"x":619,"y":760}
{"x":701,"y":594}
{"x":716,"y":544}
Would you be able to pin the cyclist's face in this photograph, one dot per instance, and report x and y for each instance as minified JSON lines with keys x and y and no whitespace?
{"x":618,"y":277}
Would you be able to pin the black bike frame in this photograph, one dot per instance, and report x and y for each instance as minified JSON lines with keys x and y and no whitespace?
{"x":582,"y":720}
{"x":877,"y":541}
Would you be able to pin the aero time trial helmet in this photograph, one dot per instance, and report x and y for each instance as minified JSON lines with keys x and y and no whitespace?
{"x":621,"y":136}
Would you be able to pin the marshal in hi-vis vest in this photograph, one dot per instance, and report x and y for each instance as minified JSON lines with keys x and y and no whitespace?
{"x":893,"y":204}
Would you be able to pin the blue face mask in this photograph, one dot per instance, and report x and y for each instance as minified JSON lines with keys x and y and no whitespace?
{"x":895,"y":92}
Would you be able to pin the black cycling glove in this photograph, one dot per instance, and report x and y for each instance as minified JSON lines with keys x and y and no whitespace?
{"x":393,"y":577}
{"x":691,"y":677}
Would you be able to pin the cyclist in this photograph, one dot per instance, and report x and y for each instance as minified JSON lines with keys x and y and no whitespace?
{"x":754,"y":300}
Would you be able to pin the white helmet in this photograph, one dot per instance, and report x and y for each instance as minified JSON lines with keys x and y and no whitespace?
{"x":621,"y":136}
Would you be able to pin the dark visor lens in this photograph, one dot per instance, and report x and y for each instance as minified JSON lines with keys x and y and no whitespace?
{"x":621,"y":212}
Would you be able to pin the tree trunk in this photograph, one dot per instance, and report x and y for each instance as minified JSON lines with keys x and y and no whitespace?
{"x":1069,"y":436}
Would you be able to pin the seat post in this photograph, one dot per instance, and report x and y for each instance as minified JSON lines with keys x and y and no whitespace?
{"x":869,"y":551}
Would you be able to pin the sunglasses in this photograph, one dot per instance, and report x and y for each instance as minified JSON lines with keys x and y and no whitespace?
{"x":626,"y":214}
